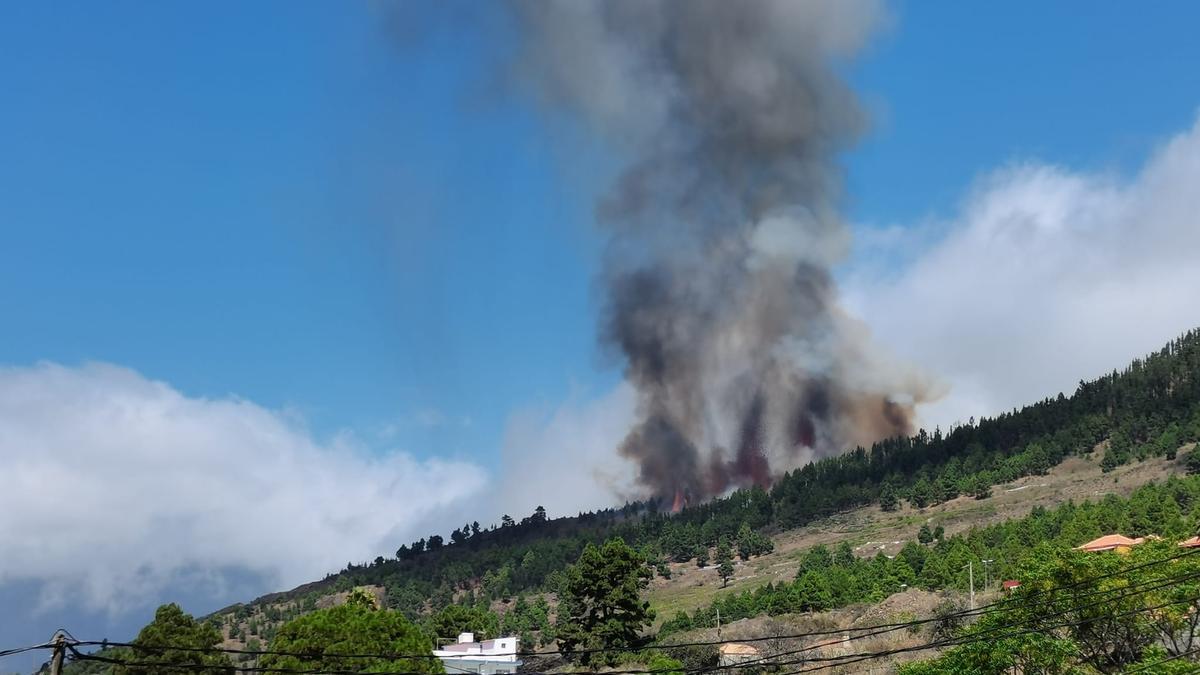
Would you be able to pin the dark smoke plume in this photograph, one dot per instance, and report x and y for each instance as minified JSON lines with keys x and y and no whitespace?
{"x":724,"y":227}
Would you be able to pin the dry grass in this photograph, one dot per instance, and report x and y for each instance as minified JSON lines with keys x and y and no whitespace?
{"x":870,"y":530}
{"x":830,"y":641}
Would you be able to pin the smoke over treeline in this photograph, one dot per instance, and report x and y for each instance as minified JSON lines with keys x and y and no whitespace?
{"x":724,"y":226}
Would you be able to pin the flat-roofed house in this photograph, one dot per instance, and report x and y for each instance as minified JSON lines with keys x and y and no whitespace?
{"x":484,"y":658}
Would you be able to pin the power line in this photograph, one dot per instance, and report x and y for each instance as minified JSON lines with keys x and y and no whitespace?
{"x":831,"y":662}
{"x":1125,"y":592}
{"x":973,"y":638}
{"x":989,"y":608}
{"x":272,"y":652}
{"x":773,"y":659}
{"x":828,"y":662}
{"x":76,"y":655}
{"x":1181,"y":655}
{"x":879,"y":629}
{"x":45,"y":645}
{"x":1128,"y":591}
{"x":22,"y":650}
{"x":864,"y":632}
{"x":871,"y":631}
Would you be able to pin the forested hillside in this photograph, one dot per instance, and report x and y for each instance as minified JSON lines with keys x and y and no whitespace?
{"x":533,"y":577}
{"x":1149,"y":408}
{"x":835,"y":577}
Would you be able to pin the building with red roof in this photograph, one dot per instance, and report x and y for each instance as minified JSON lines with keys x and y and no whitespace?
{"x":1110,"y":542}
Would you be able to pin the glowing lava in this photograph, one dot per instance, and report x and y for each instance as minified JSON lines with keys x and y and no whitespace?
{"x":679,"y":503}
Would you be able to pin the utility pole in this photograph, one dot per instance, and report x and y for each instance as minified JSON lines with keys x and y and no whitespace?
{"x":971,"y":576}
{"x":60,"y":650}
{"x":718,"y":623}
{"x":987,"y":572}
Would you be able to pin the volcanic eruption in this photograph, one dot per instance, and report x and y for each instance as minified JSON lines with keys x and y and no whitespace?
{"x":723,"y":228}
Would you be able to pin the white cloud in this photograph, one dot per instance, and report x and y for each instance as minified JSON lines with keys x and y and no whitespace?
{"x":1046,"y":276}
{"x":565,"y":459}
{"x":113,"y":486}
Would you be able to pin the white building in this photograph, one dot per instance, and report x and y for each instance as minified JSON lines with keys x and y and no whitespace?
{"x":485,"y":658}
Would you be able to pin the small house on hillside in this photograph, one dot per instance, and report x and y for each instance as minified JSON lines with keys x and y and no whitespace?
{"x":736,"y":653}
{"x":1011,"y":585}
{"x":483,"y":658}
{"x":1110,"y":542}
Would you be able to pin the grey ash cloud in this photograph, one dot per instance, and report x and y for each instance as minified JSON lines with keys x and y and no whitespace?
{"x":724,"y":227}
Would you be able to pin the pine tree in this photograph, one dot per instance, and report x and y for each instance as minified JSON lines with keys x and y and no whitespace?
{"x":600,"y":602}
{"x":921,"y":493}
{"x":888,"y":501}
{"x":326,"y":636}
{"x":1193,"y":461}
{"x":981,"y":487}
{"x":724,"y":562}
{"x":172,"y":627}
{"x":751,"y":543}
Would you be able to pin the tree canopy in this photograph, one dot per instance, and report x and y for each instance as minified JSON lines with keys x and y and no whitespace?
{"x":1086,"y":612}
{"x":326,"y":636}
{"x":600,"y":603}
{"x":158,"y":647}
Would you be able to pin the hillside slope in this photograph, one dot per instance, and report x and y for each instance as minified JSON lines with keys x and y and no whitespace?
{"x":871,"y":531}
{"x":1060,"y":447}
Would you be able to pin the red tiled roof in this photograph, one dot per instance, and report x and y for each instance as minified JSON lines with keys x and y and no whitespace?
{"x":1109,"y":542}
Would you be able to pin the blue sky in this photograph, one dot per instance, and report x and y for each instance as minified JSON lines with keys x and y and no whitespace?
{"x":958,"y":89}
{"x":302,"y":206}
{"x":288,"y":207}
{"x":300,"y":209}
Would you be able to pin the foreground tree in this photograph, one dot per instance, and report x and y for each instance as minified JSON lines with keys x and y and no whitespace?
{"x":1081,"y":612}
{"x":159,"y":647}
{"x":327,"y":635}
{"x":600,"y":603}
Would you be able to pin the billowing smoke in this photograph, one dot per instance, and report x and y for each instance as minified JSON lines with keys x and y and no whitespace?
{"x":724,"y":227}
